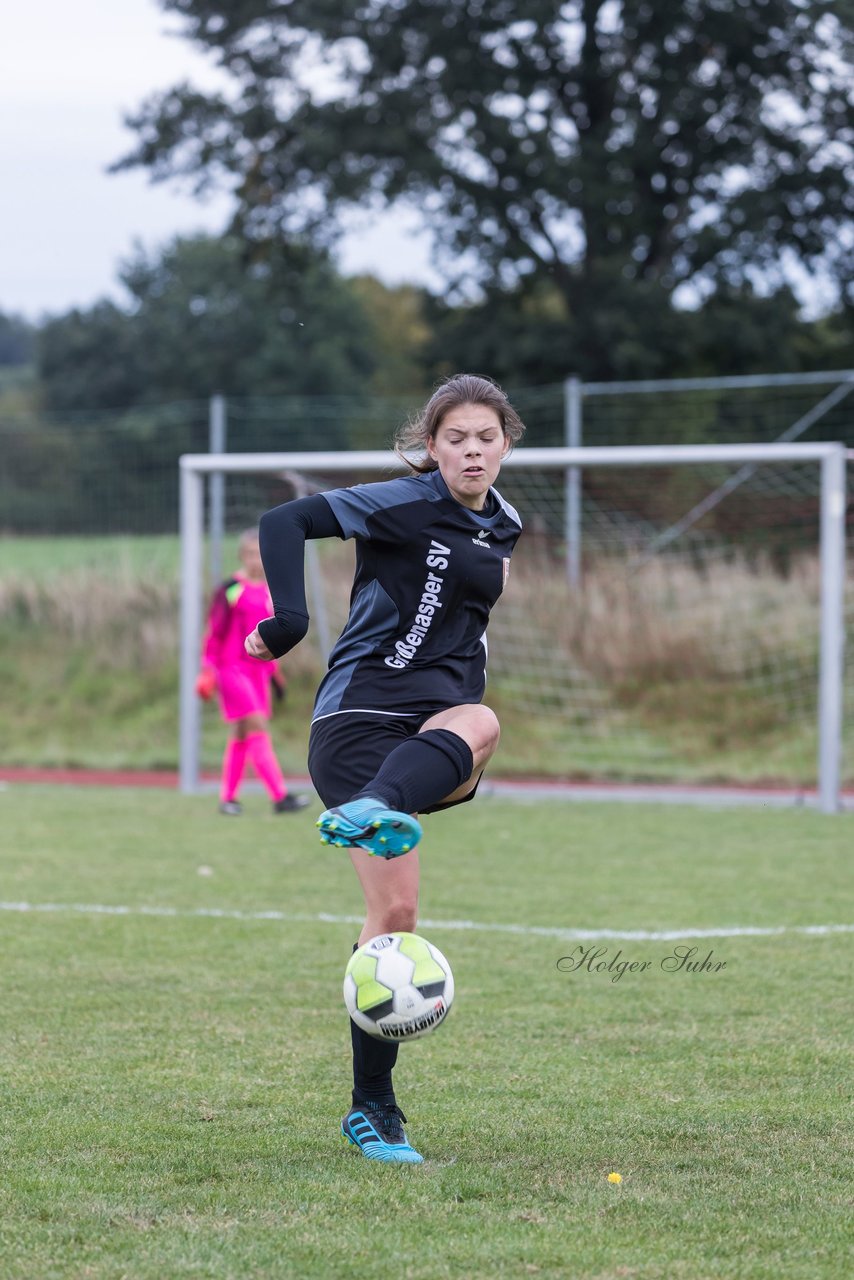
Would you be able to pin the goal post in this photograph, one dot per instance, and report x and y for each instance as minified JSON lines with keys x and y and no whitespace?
{"x":575,"y":669}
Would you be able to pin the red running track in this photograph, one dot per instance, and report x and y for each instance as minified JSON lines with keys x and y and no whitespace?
{"x":662,"y":793}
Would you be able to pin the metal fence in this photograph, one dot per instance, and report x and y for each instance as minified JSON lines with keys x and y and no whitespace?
{"x":115,"y":472}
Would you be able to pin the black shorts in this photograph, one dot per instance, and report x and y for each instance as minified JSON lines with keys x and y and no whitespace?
{"x":347,"y":750}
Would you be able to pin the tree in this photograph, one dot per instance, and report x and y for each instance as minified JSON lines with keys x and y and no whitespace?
{"x":127,"y":385}
{"x":17,"y":340}
{"x":628,"y":152}
{"x":204,"y":316}
{"x":398,"y":315}
{"x":527,"y":337}
{"x":91,"y":359}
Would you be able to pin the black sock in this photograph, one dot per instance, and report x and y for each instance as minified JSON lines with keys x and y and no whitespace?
{"x":422,"y":771}
{"x":373,"y":1061}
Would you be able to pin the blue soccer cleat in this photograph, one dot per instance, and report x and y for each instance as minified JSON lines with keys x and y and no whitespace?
{"x":367,"y":823}
{"x":377,"y":1130}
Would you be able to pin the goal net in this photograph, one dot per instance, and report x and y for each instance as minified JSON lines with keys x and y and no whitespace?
{"x":674,"y":613}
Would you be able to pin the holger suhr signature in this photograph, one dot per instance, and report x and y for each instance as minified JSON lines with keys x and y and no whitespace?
{"x":681,"y":959}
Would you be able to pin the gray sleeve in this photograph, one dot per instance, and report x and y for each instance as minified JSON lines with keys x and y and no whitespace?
{"x":353,"y":507}
{"x":507,"y":509}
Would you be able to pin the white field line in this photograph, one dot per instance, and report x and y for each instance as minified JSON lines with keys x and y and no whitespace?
{"x":473,"y":926}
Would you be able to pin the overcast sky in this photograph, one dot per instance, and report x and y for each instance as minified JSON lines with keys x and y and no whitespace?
{"x":68,"y":73}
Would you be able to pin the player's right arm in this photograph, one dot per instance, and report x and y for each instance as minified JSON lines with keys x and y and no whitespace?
{"x":282,"y":534}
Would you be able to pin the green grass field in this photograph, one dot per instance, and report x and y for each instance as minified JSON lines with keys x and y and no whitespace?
{"x":172,"y":1083}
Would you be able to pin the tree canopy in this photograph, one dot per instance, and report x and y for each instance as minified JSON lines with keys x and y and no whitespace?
{"x":206,"y":316}
{"x":630,"y":153}
{"x":17,"y":340}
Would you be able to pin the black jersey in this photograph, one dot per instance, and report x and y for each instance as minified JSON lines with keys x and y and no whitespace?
{"x":428,"y":571}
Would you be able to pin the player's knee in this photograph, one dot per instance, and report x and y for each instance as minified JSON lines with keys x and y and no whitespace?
{"x":489,"y":732}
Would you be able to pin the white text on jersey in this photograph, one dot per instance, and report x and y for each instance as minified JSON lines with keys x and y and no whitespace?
{"x":406,"y":649}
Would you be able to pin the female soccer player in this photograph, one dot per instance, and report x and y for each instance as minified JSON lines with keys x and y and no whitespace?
{"x":243,"y":683}
{"x":398,"y":725}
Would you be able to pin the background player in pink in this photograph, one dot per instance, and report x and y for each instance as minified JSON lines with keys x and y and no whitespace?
{"x":244,"y":683}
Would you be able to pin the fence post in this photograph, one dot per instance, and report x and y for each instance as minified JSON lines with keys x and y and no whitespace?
{"x":191,"y":524}
{"x":572,"y":438}
{"x":217,"y":428}
{"x":832,"y":650}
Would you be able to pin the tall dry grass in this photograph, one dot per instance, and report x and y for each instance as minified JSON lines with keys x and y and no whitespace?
{"x":126,"y":620}
{"x":662,"y":621}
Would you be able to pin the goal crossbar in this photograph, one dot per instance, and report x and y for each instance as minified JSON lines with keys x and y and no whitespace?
{"x":594,"y":456}
{"x":830,"y":457}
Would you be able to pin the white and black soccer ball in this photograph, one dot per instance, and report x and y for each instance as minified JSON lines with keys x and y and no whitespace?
{"x":398,"y":987}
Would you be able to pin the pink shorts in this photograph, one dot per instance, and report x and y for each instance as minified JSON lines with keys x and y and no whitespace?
{"x":244,"y":691}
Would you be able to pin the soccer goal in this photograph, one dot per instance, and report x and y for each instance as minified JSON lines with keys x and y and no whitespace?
{"x":674,"y":613}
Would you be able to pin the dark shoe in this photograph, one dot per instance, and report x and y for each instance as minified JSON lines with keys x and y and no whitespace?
{"x":290,"y":803}
{"x":232,"y":808}
{"x":377,"y":1130}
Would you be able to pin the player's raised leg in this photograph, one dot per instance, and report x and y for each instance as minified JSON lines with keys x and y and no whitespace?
{"x":478,"y":727}
{"x":441,"y":763}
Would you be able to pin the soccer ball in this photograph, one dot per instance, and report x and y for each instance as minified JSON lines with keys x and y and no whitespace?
{"x":398,"y":986}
